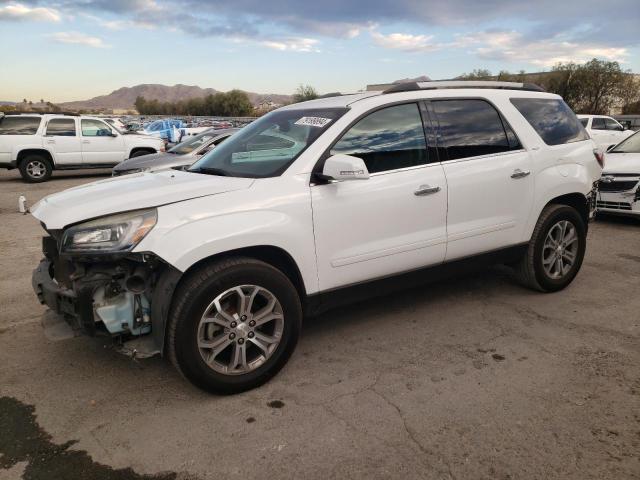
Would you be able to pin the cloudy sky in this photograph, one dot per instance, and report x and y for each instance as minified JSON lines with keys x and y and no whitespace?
{"x":75,"y":49}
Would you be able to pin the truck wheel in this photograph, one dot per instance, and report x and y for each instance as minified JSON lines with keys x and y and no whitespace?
{"x":35,"y":168}
{"x":233,"y":325}
{"x":139,"y":153}
{"x":556,"y":250}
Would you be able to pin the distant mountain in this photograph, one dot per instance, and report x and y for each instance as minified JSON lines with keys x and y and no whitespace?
{"x":125,"y":97}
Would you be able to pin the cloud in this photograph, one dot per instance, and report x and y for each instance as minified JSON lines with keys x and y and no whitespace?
{"x":513,"y":46}
{"x":405,"y":42}
{"x":78,"y":38}
{"x":19,"y":12}
{"x":292,"y":44}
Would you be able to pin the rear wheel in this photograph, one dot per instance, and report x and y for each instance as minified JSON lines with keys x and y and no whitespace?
{"x":35,"y":168}
{"x":556,"y":250}
{"x":234,"y":325}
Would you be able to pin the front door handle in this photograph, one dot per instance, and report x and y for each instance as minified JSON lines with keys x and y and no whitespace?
{"x":517,"y":173}
{"x":51,"y":141}
{"x":426,"y":190}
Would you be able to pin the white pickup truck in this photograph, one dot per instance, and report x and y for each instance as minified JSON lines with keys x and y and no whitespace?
{"x":605,"y":131}
{"x":37,"y":144}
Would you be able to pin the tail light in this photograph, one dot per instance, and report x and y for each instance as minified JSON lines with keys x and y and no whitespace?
{"x":599,"y":154}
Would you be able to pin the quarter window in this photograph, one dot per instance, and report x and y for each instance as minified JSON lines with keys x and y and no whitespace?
{"x":552,"y":119}
{"x":95,"y":128}
{"x":61,"y":127}
{"x":19,"y":125}
{"x":387,"y":139}
{"x":470,"y":128}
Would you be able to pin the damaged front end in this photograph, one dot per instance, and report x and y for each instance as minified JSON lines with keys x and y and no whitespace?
{"x":101,"y":292}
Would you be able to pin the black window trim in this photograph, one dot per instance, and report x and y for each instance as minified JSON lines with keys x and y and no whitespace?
{"x":436,"y":128}
{"x":46,"y":127}
{"x":426,"y":127}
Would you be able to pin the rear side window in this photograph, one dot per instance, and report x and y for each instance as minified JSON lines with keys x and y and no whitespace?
{"x":470,"y":128}
{"x":598,"y":124}
{"x":61,"y":127}
{"x":552,"y":119}
{"x":19,"y":125}
{"x":387,"y":139}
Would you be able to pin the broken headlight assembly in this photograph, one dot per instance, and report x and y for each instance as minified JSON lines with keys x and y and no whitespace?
{"x":110,"y":234}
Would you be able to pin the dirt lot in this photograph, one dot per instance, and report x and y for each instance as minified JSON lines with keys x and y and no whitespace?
{"x":470,"y":378}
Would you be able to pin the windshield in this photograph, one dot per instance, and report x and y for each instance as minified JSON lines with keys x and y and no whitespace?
{"x":266,"y":147}
{"x":191,"y":144}
{"x":630,"y":145}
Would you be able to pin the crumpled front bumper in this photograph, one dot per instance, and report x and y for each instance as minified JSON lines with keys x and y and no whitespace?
{"x":76,"y":307}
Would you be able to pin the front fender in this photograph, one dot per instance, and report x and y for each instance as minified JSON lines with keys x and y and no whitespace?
{"x":191,"y":231}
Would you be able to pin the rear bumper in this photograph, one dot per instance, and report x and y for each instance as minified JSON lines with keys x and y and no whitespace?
{"x":9,"y":165}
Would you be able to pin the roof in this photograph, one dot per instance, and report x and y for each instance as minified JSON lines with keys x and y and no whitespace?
{"x":339,"y":101}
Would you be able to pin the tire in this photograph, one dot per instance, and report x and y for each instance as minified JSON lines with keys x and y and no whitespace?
{"x":139,"y":153}
{"x":191,"y":338}
{"x":35,"y":168}
{"x":534,"y":269}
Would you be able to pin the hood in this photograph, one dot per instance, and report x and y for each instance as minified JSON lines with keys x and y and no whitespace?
{"x":152,"y":160}
{"x":622,"y":163}
{"x":130,"y":192}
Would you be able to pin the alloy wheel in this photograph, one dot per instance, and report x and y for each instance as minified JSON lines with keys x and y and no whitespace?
{"x":560,"y":249}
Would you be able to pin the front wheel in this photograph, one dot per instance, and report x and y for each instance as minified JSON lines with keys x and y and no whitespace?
{"x":233,"y":325}
{"x":556,"y":250}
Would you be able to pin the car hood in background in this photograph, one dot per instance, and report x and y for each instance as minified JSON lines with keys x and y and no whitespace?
{"x":622,"y":163}
{"x":154,"y":160}
{"x":131,"y":192}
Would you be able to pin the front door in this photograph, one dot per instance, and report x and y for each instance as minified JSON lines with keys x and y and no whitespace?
{"x":488,"y":173}
{"x":100,"y":144}
{"x":62,"y":140}
{"x":393,"y":222}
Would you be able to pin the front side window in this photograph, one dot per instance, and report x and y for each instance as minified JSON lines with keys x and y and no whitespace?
{"x":266,"y":147}
{"x":470,"y":128}
{"x":61,"y":127}
{"x":387,"y":139}
{"x":552,"y":119}
{"x":19,"y":125}
{"x":598,"y":124}
{"x":611,"y":124}
{"x":95,"y":128}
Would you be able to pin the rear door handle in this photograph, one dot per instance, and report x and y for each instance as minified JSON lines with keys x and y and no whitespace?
{"x":517,"y":173}
{"x":426,"y":190}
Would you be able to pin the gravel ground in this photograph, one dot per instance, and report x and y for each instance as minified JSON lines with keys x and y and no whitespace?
{"x":472,"y":378}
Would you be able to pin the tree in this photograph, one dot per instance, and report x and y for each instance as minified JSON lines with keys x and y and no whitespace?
{"x":304,"y":93}
{"x":477,"y":74}
{"x":235,"y":103}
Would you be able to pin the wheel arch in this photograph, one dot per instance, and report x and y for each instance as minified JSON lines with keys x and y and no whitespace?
{"x":576,"y":200}
{"x":150,"y":150}
{"x":37,"y":151}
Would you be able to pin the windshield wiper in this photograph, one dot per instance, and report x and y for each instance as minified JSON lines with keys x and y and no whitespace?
{"x":212,"y":171}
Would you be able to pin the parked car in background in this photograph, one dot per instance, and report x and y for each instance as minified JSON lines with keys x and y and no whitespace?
{"x":182,"y":155}
{"x":630,"y":121}
{"x":38,"y":144}
{"x":604,"y":130}
{"x":165,"y":129}
{"x":619,"y":187}
{"x":117,"y":123}
{"x":317,"y":204}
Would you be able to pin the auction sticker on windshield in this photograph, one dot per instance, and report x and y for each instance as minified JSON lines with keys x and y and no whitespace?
{"x":313,"y":121}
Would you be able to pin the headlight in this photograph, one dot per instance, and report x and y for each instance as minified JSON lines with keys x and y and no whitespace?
{"x":115,"y":233}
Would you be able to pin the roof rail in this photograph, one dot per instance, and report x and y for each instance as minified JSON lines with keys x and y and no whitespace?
{"x":444,"y":84}
{"x":69,"y":114}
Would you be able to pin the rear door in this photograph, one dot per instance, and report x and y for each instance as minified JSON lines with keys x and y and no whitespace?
{"x":100,"y":143}
{"x":490,"y":186}
{"x":62,"y":139}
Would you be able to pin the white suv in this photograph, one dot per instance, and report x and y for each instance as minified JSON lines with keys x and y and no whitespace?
{"x":38,"y":144}
{"x":604,"y":130}
{"x":313,"y":205}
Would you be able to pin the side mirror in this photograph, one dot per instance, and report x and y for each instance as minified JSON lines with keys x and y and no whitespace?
{"x":344,"y":167}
